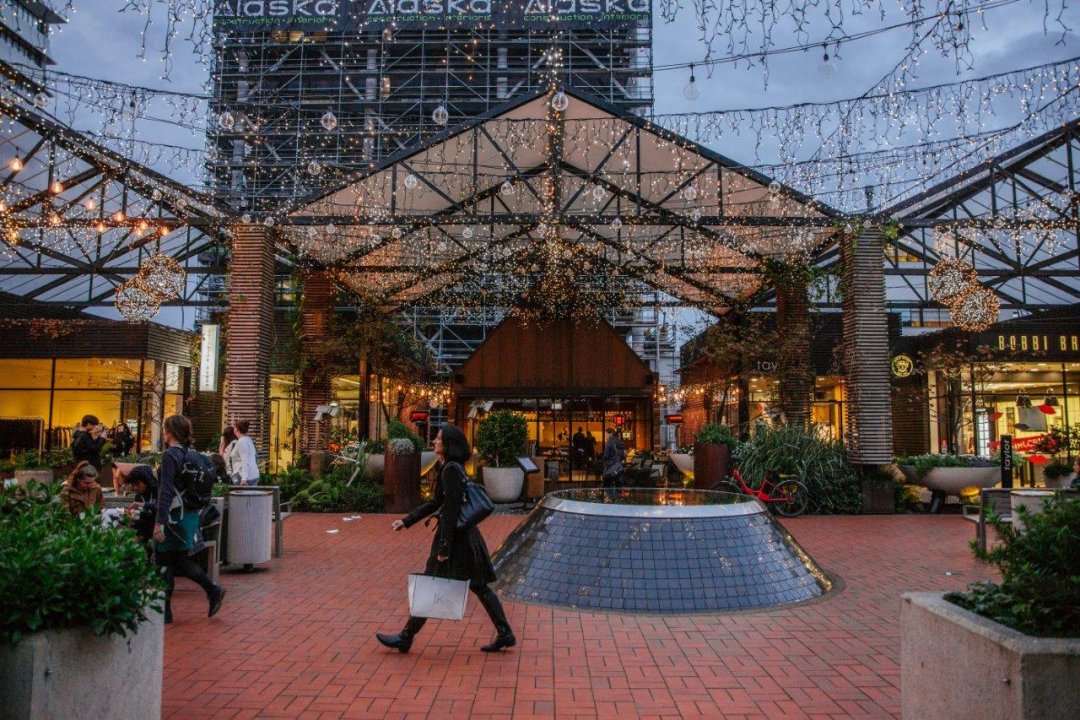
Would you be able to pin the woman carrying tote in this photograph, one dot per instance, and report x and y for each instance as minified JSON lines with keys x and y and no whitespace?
{"x":457,"y":554}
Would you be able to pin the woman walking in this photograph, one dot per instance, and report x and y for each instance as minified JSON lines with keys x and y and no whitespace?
{"x":457,"y":554}
{"x":174,"y":531}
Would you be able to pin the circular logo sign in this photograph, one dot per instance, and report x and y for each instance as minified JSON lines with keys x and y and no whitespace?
{"x":902,"y":366}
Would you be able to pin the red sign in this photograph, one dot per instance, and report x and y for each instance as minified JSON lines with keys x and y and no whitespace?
{"x":673,"y":419}
{"x":418,"y":416}
{"x":1023,"y":445}
{"x":619,"y":420}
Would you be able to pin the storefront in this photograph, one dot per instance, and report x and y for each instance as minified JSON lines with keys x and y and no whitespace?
{"x":1019,"y":377}
{"x":562,"y":378}
{"x":55,"y":371}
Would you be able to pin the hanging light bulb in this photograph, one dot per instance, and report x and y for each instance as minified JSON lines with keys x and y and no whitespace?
{"x":118,"y":216}
{"x":156,"y":195}
{"x":246,"y":218}
{"x":467,"y":232}
{"x":41,"y":99}
{"x":411,"y":181}
{"x":90,"y":204}
{"x":616,"y":224}
{"x":328,"y":121}
{"x":559,"y":102}
{"x":690,"y":193}
{"x":314,"y":167}
{"x":56,"y":187}
{"x":440,"y":116}
{"x":506,"y":189}
{"x":226,"y":120}
{"x":774,"y":189}
{"x":695,"y":214}
{"x":16,"y":164}
{"x":54,"y":219}
{"x":691,"y":92}
{"x":100,"y":227}
{"x":598,"y":193}
{"x":3,"y":206}
{"x":826,"y":68}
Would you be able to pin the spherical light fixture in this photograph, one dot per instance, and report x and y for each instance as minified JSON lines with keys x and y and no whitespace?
{"x":949,"y":279}
{"x":975,"y":309}
{"x":440,"y":116}
{"x":226,"y":120}
{"x":560,"y":102}
{"x":411,"y":181}
{"x":328,"y":121}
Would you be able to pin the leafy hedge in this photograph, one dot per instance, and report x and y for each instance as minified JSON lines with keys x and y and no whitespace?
{"x":821,"y":465}
{"x":397,"y":429}
{"x":329,"y":493}
{"x":1039,"y":593}
{"x":59,"y":571}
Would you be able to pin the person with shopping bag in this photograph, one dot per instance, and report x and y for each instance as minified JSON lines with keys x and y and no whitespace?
{"x":458,"y":553}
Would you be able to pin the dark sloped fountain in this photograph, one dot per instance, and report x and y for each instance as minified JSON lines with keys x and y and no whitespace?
{"x":655,"y":551}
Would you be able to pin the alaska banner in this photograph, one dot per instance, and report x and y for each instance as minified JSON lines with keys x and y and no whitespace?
{"x":360,"y":15}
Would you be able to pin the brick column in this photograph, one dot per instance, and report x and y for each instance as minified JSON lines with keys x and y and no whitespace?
{"x":866,"y":350}
{"x":796,"y":371}
{"x":250,"y":332}
{"x":316,"y":318}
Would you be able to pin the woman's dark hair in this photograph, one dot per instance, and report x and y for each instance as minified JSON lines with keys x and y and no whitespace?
{"x":89,"y":420}
{"x":229,"y":434}
{"x":123,"y":427}
{"x":455,"y":446}
{"x":145,"y":475}
{"x":242,"y":425}
{"x":179,"y":427}
{"x":83,"y":469}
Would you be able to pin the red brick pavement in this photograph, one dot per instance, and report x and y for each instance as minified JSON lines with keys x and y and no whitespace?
{"x":296,"y":639}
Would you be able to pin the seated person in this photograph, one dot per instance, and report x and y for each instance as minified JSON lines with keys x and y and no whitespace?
{"x":143,"y":511}
{"x":82,"y":492}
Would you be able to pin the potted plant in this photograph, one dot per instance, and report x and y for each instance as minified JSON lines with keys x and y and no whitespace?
{"x":713,"y":447}
{"x":500,"y":441}
{"x":946,"y":475}
{"x":1058,"y":474}
{"x":401,"y":481}
{"x":683,"y":460}
{"x":80,"y":607}
{"x":1012,"y":648}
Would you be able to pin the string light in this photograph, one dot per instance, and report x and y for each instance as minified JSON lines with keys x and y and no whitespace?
{"x":691,"y":92}
{"x":949,"y":279}
{"x":975,"y":309}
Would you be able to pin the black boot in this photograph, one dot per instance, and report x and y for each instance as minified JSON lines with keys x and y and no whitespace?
{"x":505,"y":636}
{"x":403,"y":640}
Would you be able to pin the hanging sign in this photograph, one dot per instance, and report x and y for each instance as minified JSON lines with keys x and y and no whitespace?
{"x":673,"y":419}
{"x":359,"y":15}
{"x":208,"y":358}
{"x":1006,"y":461}
{"x":418,"y":416}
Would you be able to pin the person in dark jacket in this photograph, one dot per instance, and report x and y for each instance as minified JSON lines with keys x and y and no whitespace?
{"x":457,"y":554}
{"x":122,"y":440}
{"x":143,"y":510}
{"x":175,"y":528}
{"x":88,"y":440}
{"x":612,"y":459}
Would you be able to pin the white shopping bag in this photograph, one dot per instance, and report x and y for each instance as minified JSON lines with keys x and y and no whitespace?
{"x":436,"y":597}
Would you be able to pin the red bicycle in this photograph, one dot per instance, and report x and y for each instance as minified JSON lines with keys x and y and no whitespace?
{"x":788,"y":497}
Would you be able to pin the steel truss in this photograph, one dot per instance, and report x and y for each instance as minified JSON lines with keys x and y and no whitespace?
{"x":78,"y":219}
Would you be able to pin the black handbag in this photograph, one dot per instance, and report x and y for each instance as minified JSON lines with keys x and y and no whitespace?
{"x":475,"y":504}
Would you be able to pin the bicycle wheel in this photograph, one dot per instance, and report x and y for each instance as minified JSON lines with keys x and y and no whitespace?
{"x":790,"y":498}
{"x":727,"y":486}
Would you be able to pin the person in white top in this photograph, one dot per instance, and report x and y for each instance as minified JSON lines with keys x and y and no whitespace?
{"x":248,"y":465}
{"x":230,"y":454}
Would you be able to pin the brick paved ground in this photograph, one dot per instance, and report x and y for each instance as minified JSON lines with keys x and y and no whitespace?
{"x":296,"y":640}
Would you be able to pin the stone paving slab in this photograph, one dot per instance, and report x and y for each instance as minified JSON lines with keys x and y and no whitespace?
{"x":296,"y":638}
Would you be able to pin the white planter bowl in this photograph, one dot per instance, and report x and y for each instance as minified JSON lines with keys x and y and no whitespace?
{"x":1059,"y":483}
{"x":427,"y":461}
{"x":961,"y":480}
{"x":376,"y":464}
{"x":503,"y":485}
{"x":1031,"y":499}
{"x":685,"y":463}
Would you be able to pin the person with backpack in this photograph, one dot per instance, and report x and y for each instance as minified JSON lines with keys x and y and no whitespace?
{"x":458,"y":553}
{"x":182,"y":487}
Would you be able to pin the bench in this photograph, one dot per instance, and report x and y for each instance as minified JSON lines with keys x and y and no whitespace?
{"x":991,"y":500}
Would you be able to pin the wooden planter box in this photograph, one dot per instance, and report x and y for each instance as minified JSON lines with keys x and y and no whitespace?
{"x":74,"y":674}
{"x":401,"y":482}
{"x":956,"y":664}
{"x":711,"y":464}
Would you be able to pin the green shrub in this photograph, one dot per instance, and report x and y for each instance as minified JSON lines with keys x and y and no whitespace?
{"x":501,"y":438}
{"x":1057,"y":469}
{"x":925,"y":463}
{"x":1039,"y":593}
{"x":49,"y":460}
{"x":397,"y":429}
{"x":329,"y":492}
{"x":821,"y":465}
{"x":716,"y":434}
{"x":59,"y":571}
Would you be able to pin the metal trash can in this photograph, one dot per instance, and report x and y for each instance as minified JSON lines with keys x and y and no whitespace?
{"x":250,"y":514}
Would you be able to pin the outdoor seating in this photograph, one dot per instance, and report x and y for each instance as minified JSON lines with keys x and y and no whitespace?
{"x":994,"y":501}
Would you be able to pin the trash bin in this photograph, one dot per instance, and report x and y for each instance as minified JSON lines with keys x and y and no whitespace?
{"x":552,"y":470}
{"x":250,"y":515}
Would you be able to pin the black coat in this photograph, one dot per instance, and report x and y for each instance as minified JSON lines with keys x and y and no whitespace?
{"x":468,"y":554}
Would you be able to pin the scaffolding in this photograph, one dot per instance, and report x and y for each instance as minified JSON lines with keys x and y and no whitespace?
{"x":297,"y":112}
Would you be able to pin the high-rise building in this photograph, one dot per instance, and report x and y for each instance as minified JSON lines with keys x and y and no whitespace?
{"x":24,"y":44}
{"x":299,"y":104}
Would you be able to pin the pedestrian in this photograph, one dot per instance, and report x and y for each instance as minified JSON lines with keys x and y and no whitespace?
{"x":88,"y":440}
{"x":82,"y":492}
{"x":245,"y":470}
{"x":175,"y":527}
{"x":612,"y":460}
{"x":122,"y":440}
{"x":458,"y":554}
{"x":230,"y":454}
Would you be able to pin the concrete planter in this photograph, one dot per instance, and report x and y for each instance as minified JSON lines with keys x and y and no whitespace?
{"x":503,"y":485}
{"x":956,"y":664}
{"x":1060,"y":482}
{"x":42,"y":476}
{"x":1032,"y":500}
{"x":684,"y":463}
{"x":75,"y":674}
